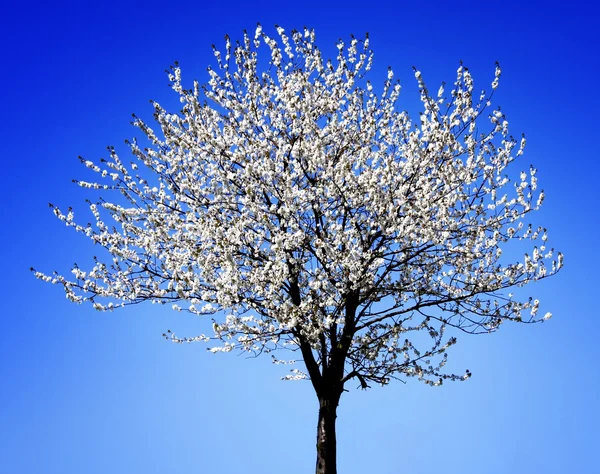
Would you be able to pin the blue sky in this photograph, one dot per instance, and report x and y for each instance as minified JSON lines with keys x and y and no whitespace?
{"x":89,"y":392}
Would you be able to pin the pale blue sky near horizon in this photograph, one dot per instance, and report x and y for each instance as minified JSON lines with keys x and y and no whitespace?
{"x":95,"y":393}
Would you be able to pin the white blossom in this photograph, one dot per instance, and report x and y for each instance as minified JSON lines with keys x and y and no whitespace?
{"x":301,"y":208}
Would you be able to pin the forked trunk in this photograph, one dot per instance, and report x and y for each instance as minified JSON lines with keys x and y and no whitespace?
{"x":326,"y":442}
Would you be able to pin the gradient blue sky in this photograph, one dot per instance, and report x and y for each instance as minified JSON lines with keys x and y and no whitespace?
{"x":96,"y":393}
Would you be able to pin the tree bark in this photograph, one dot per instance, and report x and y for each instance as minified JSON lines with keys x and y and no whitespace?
{"x":326,"y":441}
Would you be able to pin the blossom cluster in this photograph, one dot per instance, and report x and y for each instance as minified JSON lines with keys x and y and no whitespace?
{"x":299,"y":207}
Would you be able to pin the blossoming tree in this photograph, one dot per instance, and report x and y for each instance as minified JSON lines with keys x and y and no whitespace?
{"x":303,"y":211}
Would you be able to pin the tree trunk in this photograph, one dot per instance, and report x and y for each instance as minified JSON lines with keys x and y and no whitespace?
{"x":326,"y":443}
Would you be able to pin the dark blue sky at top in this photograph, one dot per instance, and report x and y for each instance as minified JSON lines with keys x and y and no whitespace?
{"x":89,"y":392}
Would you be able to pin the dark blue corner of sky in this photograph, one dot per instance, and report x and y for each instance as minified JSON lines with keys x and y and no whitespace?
{"x":96,"y":393}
